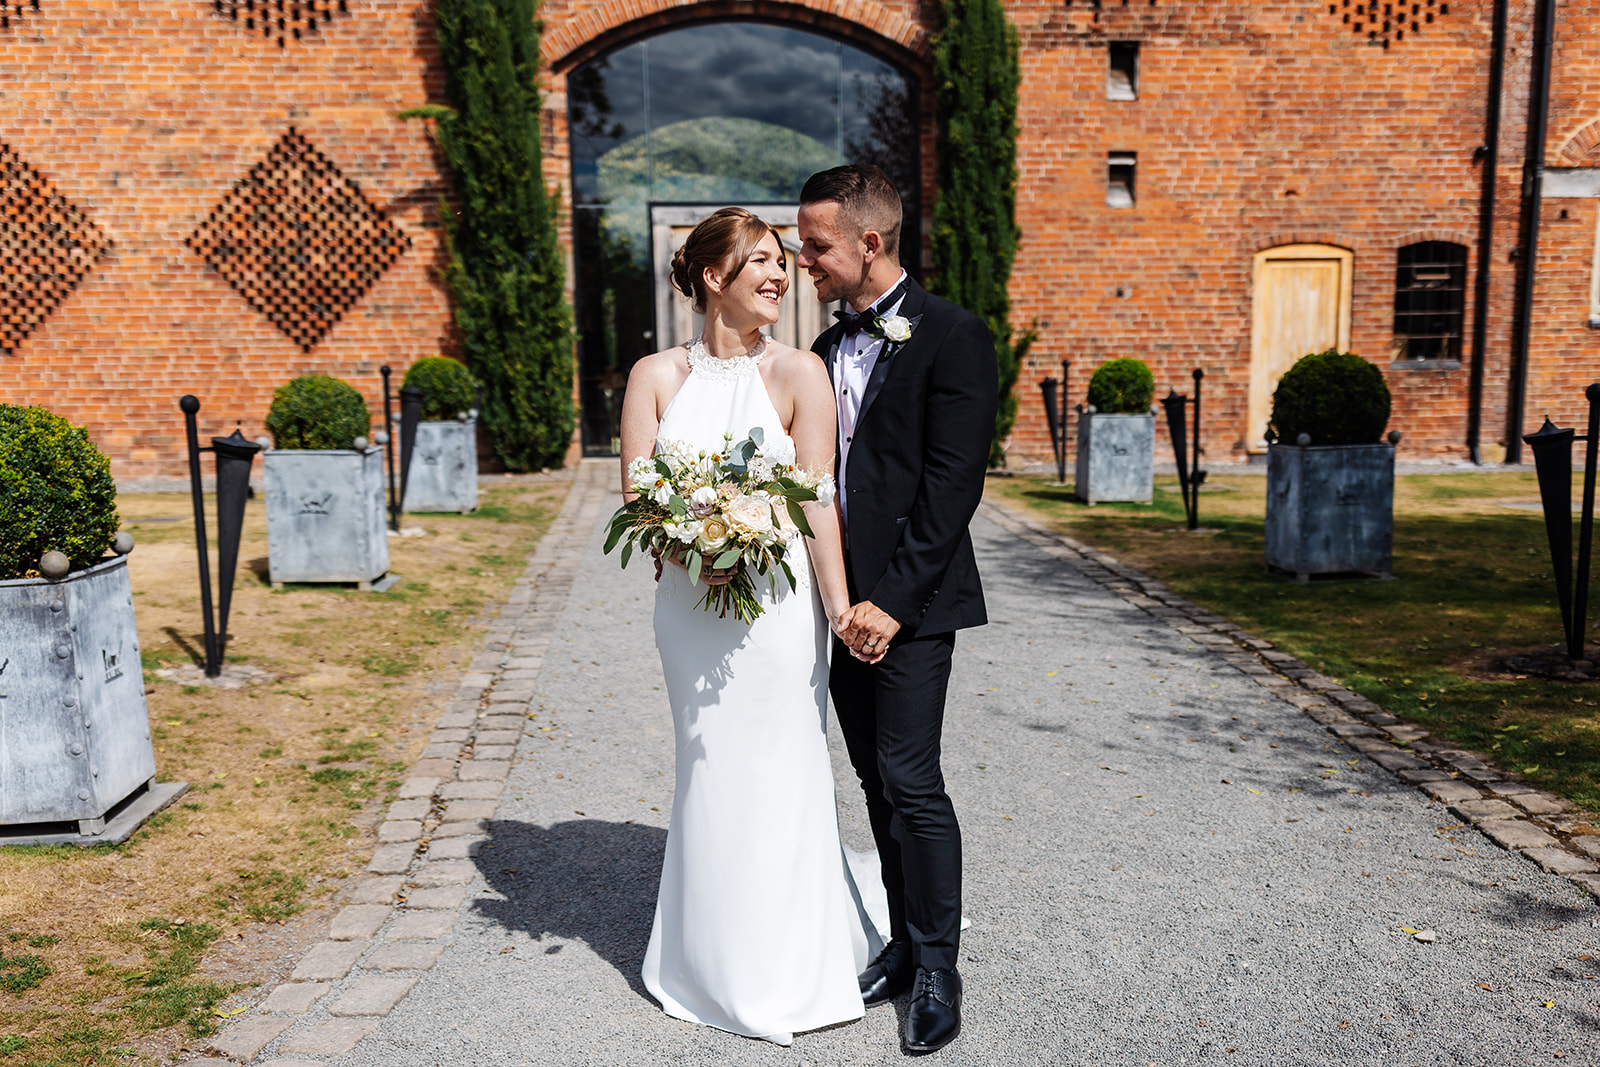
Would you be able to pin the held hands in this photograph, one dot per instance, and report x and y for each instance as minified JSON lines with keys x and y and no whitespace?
{"x":866,"y":630}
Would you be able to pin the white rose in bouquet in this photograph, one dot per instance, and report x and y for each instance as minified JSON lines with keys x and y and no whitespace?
{"x":751,"y":513}
{"x":714,"y":533}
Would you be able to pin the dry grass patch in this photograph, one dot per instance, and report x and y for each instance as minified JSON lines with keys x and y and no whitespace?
{"x":99,"y":946}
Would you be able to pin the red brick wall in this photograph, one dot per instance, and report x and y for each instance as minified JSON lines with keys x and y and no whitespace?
{"x":143,"y":113}
{"x":1259,"y":123}
{"x":1564,"y":350}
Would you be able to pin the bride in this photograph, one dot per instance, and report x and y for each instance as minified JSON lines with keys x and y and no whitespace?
{"x":757,"y":929}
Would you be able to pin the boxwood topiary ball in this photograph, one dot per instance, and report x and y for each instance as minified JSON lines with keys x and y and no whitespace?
{"x":317,"y":411}
{"x":56,"y":492}
{"x":448,"y":388}
{"x":1121,"y":387}
{"x":1337,"y":398}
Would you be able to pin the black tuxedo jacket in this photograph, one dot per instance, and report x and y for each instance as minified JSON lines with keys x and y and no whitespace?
{"x":917,"y":464}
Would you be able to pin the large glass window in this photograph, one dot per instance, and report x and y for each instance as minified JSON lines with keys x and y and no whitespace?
{"x":712,"y":113}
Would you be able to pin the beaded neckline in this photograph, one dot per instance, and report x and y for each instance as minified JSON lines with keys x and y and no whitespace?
{"x":701,"y":360}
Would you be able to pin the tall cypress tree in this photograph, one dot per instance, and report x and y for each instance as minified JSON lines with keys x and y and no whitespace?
{"x":974,"y":222}
{"x":506,"y":275}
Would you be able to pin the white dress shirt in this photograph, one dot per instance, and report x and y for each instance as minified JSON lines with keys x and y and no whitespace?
{"x":852,"y":369}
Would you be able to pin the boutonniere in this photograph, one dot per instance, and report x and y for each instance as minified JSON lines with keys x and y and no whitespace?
{"x":896,"y":328}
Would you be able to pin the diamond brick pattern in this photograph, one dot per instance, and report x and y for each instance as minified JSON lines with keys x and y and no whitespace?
{"x":1381,"y":23}
{"x":280,"y":19}
{"x":47,"y":246}
{"x":298,"y":240}
{"x":12,"y":10}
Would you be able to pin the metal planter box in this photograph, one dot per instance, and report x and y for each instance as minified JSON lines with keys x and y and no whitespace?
{"x":1116,"y":458}
{"x":325,"y":516}
{"x":74,"y":733}
{"x":1330,"y":509}
{"x":444,"y":467}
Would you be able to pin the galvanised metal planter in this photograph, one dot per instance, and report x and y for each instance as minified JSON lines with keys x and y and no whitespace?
{"x":1116,"y":458}
{"x":443,"y":475}
{"x":1330,"y":509}
{"x":74,"y":733}
{"x":325,"y":516}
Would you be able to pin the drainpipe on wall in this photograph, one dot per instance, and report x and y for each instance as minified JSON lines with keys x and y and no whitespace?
{"x":1480,"y":297}
{"x":1528,"y":253}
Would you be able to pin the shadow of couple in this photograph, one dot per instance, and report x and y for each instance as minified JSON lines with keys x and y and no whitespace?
{"x":585,"y":880}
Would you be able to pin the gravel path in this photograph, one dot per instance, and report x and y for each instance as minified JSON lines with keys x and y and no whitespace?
{"x":1160,"y":869}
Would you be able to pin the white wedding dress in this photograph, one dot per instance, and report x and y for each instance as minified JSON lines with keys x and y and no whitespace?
{"x":759,"y":929}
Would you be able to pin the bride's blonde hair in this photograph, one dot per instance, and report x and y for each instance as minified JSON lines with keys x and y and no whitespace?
{"x":724,"y":242}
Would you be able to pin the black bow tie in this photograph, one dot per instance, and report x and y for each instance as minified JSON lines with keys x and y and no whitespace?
{"x":869,"y":321}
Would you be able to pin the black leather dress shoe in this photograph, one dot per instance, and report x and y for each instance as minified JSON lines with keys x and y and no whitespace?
{"x":887,"y":976}
{"x":935,"y":1018}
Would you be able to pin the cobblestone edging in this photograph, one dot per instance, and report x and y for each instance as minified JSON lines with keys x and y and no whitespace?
{"x":1540,"y":826}
{"x":404,"y":908}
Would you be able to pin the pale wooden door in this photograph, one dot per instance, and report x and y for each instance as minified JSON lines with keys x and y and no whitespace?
{"x":1302,"y":305}
{"x":800,"y":318}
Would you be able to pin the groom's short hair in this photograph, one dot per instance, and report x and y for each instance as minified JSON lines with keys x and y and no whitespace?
{"x":866,"y":197}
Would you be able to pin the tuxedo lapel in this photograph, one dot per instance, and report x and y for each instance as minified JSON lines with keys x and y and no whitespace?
{"x":890,"y":354}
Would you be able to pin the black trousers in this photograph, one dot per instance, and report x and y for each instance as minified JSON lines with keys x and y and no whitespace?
{"x":892,"y":714}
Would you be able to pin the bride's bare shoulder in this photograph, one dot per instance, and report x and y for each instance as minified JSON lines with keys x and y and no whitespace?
{"x":800,"y":364}
{"x":660,"y":367}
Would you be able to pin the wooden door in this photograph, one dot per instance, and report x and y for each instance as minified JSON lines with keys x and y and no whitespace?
{"x":800,"y":318}
{"x":1302,"y":305}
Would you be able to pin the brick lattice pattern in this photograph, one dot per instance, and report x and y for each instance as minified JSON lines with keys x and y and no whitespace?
{"x":1381,"y":23}
{"x":298,"y":241}
{"x":47,"y":246}
{"x":15,"y":9}
{"x":280,"y":19}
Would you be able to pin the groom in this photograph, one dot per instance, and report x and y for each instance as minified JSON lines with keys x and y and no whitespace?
{"x":915,"y":381}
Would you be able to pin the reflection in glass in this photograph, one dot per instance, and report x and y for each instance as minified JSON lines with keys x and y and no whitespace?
{"x":713,"y":113}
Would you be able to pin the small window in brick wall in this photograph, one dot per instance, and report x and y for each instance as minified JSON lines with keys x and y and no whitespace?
{"x":1119,"y":179}
{"x":1122,"y":70}
{"x":1430,"y":288}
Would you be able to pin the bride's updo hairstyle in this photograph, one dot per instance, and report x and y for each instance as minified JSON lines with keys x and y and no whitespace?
{"x":724,"y":242}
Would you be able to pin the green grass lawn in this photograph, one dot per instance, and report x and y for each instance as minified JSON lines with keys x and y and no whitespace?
{"x":1472,"y":582}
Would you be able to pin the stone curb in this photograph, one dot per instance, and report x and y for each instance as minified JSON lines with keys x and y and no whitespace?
{"x":399,"y":915}
{"x":1511,"y":814}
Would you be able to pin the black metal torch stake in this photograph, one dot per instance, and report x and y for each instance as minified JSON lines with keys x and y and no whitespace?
{"x":234,"y":456}
{"x":388,"y":448}
{"x":1190,"y":476}
{"x":1552,"y":460}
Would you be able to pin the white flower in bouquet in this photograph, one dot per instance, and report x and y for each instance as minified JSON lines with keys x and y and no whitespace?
{"x":642,"y":472}
{"x":760,"y":470}
{"x":751,"y":513}
{"x":714,"y":534}
{"x":703,"y":499}
{"x":683,"y":532}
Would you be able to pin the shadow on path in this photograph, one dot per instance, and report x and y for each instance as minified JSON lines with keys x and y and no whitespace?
{"x":587,"y":880}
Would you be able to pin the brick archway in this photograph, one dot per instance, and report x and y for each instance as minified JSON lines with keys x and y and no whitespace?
{"x":873,"y":26}
{"x":1582,"y":149}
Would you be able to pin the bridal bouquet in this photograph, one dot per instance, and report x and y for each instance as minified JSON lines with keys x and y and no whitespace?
{"x":737,"y":507}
